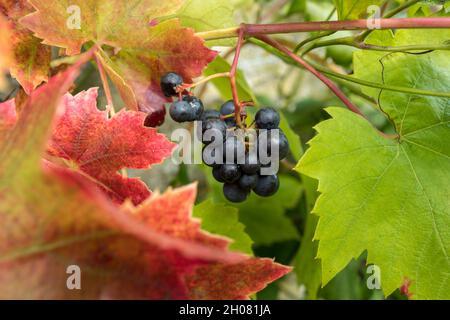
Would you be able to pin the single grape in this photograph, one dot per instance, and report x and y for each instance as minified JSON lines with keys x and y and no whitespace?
{"x":216,"y":173}
{"x":280,"y":142}
{"x":274,"y":142}
{"x":284,"y":146}
{"x":230,"y":172}
{"x":180,"y":111}
{"x":267,"y":185}
{"x":251,"y":165}
{"x":210,"y":114}
{"x":196,"y":107}
{"x":212,"y":128}
{"x":234,"y":193}
{"x":248,"y":181}
{"x":227,"y":109}
{"x":155,"y":118}
{"x":169,"y":83}
{"x":267,"y":118}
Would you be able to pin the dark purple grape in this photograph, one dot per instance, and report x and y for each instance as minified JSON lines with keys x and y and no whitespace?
{"x":180,"y":111}
{"x":267,"y":118}
{"x":228,"y":109}
{"x":274,"y":142}
{"x":212,"y":128}
{"x":210,"y":114}
{"x":196,"y":107}
{"x":216,"y":173}
{"x":280,"y":142}
{"x":169,"y":83}
{"x":230,"y":172}
{"x":247,"y":181}
{"x":267,"y":185}
{"x":234,"y":193}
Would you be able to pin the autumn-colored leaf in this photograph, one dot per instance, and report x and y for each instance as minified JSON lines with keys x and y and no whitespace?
{"x":175,"y":49}
{"x":71,"y":31}
{"x":8,"y":117}
{"x":30,"y":62}
{"x":146,"y":47}
{"x":100,"y":147}
{"x":233,"y":281}
{"x":53,"y":217}
{"x":6,"y":51}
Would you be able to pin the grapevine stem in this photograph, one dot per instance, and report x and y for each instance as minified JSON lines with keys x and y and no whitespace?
{"x":402,"y":48}
{"x":365,"y":83}
{"x":312,"y":38}
{"x":403,"y":23}
{"x":352,"y":42}
{"x":233,"y":70}
{"x":389,"y":14}
{"x":317,"y":36}
{"x":353,"y":79}
{"x":362,"y":36}
{"x":293,"y":27}
{"x":206,"y":79}
{"x":311,"y":69}
{"x":109,"y":100}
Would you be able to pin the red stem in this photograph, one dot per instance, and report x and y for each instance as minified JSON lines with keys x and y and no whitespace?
{"x":391,"y":23}
{"x":311,"y":69}
{"x":104,"y":78}
{"x":233,"y":70}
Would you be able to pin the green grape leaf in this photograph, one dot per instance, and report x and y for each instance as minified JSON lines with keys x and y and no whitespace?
{"x":355,"y":9}
{"x":389,"y":196}
{"x":220,"y":219}
{"x":429,"y":8}
{"x":350,"y":284}
{"x":368,"y":64}
{"x":223,"y":84}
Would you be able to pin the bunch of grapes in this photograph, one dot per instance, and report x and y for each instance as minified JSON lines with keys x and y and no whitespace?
{"x":239,"y":165}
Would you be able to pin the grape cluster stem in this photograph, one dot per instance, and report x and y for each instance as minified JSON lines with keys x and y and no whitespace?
{"x":109,"y":100}
{"x":314,"y":26}
{"x":311,"y":69}
{"x":233,"y":70}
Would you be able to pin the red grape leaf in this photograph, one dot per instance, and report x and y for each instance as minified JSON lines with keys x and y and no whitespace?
{"x":126,"y":92}
{"x":174,"y":49}
{"x":116,"y":23}
{"x":100,"y":147}
{"x":144,"y":50}
{"x":8,"y":117}
{"x":233,"y":281}
{"x":53,"y":217}
{"x":213,"y":280}
{"x":30,"y":61}
{"x":6,"y":50}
